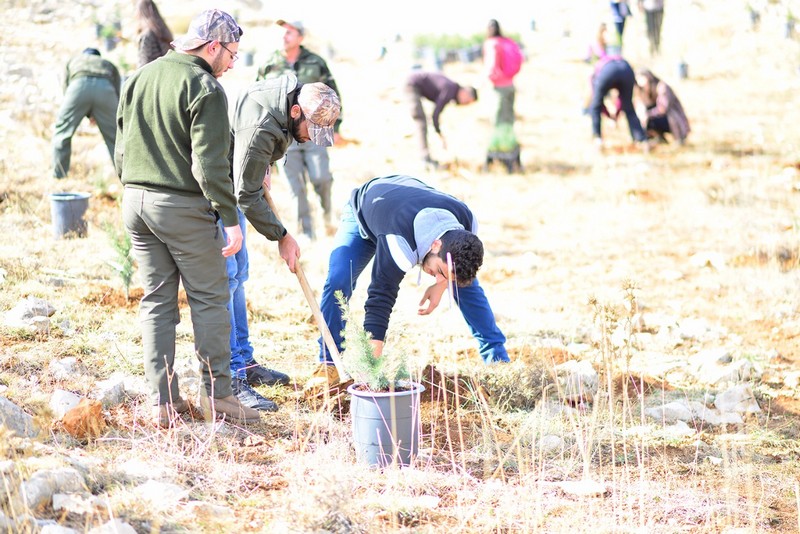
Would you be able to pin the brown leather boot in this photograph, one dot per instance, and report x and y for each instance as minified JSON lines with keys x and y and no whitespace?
{"x":228,"y":408}
{"x":166,"y":415}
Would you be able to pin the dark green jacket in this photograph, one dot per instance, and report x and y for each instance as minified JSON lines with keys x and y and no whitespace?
{"x":93,"y":66}
{"x":308,"y":68}
{"x":262,"y":132}
{"x":173,"y":133}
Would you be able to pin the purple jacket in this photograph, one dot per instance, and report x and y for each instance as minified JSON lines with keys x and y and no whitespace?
{"x":437,"y":88}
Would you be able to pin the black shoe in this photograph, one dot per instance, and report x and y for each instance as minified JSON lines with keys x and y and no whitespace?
{"x":250,"y":397}
{"x":261,"y":376}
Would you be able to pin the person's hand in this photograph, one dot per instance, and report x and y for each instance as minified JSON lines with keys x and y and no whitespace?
{"x":289,"y":251}
{"x":337,"y":139}
{"x":431,"y":298}
{"x":443,"y":140}
{"x":377,"y":347}
{"x":234,"y":236}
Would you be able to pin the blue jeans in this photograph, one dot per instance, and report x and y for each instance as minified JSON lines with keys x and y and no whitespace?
{"x":238,"y":267}
{"x":351,"y":254}
{"x":616,"y":74}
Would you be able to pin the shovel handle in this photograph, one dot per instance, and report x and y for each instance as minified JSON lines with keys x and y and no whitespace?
{"x":315,"y":310}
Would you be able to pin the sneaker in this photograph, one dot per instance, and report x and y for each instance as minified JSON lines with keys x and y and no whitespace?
{"x":261,"y":376}
{"x":250,"y":397}
{"x":165,"y":415}
{"x":229,"y":408}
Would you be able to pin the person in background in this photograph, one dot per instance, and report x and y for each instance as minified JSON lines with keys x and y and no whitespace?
{"x":503,"y":85}
{"x":613,"y":72}
{"x":154,"y":34}
{"x":598,"y":48}
{"x":620,"y":11}
{"x":268,"y":117}
{"x":663,"y":112}
{"x":173,"y":161}
{"x":440,"y":90}
{"x":654,"y":16}
{"x":91,"y":89}
{"x":399,"y":222}
{"x":307,"y":162}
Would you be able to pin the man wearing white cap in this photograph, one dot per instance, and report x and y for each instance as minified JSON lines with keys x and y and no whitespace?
{"x":304,"y":163}
{"x":268,"y":117}
{"x":171,"y":154}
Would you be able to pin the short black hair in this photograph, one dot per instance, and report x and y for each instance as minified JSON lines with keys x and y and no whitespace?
{"x":466,"y":251}
{"x":473,"y":92}
{"x":93,"y":51}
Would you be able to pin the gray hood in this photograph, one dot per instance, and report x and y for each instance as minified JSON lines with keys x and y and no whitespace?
{"x":429,"y":225}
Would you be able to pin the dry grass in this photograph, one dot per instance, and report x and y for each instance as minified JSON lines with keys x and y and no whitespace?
{"x":572,"y":244}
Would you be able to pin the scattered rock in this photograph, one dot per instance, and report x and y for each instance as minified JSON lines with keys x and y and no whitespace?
{"x":578,"y":381}
{"x":66,"y":368}
{"x":115,"y":526}
{"x":38,"y":491}
{"x":110,"y":392}
{"x":63,"y":401}
{"x":161,"y":495}
{"x":583,"y":488}
{"x":76,"y":503}
{"x":738,"y":399}
{"x":551,"y":443}
{"x":26,"y":309}
{"x":16,"y":420}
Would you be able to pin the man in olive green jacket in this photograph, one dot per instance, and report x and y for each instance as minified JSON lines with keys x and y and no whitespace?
{"x":91,"y":89}
{"x":173,"y":139}
{"x":306,"y":162}
{"x":268,"y":117}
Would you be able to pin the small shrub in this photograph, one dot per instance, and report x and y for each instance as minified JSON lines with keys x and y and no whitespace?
{"x":378,"y":373}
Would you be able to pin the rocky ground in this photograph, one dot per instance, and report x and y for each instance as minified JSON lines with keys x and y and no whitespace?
{"x":650,"y":302}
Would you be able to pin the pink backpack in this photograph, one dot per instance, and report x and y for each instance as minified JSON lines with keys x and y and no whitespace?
{"x":510,"y":57}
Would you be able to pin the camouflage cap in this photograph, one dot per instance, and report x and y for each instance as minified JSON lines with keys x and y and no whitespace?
{"x":297,"y":25}
{"x":321,"y":107}
{"x":210,"y":25}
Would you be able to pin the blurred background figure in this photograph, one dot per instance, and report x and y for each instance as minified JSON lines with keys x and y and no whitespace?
{"x":620,"y":11}
{"x":502,"y":58}
{"x":662,"y":112}
{"x":305,"y":162}
{"x":154,"y":34}
{"x":654,"y":15}
{"x":598,"y":47}
{"x":440,"y":90}
{"x":613,"y":72}
{"x":91,"y":89}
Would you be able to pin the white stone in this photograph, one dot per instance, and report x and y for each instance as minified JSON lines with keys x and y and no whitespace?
{"x":583,"y":488}
{"x":161,"y":495}
{"x":551,"y":443}
{"x":578,"y":380}
{"x":76,"y":503}
{"x":39,"y":489}
{"x":115,"y":526}
{"x":110,"y":392}
{"x":57,"y":529}
{"x":62,"y":401}
{"x":670,"y":412}
{"x":66,"y":368}
{"x":19,"y":422}
{"x":738,"y":399}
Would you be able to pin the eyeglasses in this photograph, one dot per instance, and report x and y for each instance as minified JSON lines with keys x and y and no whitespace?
{"x":234,"y":57}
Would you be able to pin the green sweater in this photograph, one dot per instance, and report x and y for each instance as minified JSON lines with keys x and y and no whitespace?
{"x":91,"y":66}
{"x":173,"y":133}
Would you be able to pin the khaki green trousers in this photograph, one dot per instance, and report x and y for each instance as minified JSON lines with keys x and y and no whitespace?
{"x":176,"y":239}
